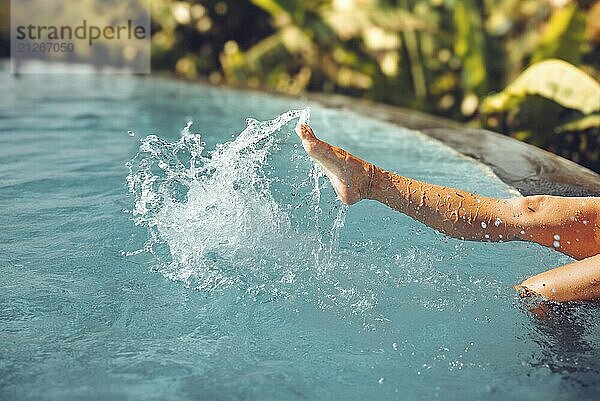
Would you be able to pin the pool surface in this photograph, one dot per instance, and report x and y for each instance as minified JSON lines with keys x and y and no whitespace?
{"x":139,"y":261}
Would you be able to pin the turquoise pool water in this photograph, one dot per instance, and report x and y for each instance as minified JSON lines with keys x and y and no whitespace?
{"x":239,"y":276}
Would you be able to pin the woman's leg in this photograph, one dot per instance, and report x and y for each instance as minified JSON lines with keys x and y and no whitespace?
{"x":454,"y":212}
{"x":578,"y":281}
{"x":565,"y":224}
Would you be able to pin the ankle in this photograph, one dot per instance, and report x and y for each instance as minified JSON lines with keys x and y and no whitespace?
{"x":375,"y":179}
{"x":371,"y":174}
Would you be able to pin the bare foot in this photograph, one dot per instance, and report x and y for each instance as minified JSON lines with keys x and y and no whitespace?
{"x":350,"y":176}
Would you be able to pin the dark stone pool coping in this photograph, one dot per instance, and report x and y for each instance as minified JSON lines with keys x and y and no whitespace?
{"x":529,"y":169}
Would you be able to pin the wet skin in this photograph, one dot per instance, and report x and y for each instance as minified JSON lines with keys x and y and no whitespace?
{"x":568,"y":225}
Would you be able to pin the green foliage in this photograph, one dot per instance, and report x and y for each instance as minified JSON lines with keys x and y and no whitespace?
{"x":552,"y":97}
{"x":553,"y":79}
{"x":563,"y":38}
{"x":584,"y":123}
{"x":470,"y":46}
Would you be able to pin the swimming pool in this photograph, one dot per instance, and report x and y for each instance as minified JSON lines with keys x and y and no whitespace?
{"x":258,"y":285}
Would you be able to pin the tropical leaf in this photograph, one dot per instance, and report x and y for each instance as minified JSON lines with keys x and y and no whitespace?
{"x":581,"y":124}
{"x":470,"y":46}
{"x":553,"y":79}
{"x":563,"y":36}
{"x":271,"y":6}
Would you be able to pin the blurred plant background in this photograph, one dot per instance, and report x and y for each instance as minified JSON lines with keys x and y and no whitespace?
{"x":461,"y":59}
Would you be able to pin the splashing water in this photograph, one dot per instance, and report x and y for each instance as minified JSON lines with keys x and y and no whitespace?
{"x":257,"y":215}
{"x":231,"y":216}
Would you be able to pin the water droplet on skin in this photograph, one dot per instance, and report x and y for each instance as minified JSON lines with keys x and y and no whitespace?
{"x":478,"y":200}
{"x":131,"y":133}
{"x":557,"y":237}
{"x":553,"y":290}
{"x":585,"y":222}
{"x":522,"y":232}
{"x":500,"y":236}
{"x":483,"y":224}
{"x":497,"y":222}
{"x":556,"y":244}
{"x":487,"y":236}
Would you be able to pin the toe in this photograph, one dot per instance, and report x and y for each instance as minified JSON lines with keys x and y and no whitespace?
{"x":306,"y":133}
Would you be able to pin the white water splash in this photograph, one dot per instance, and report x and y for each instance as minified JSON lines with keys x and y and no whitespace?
{"x":226,"y":217}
